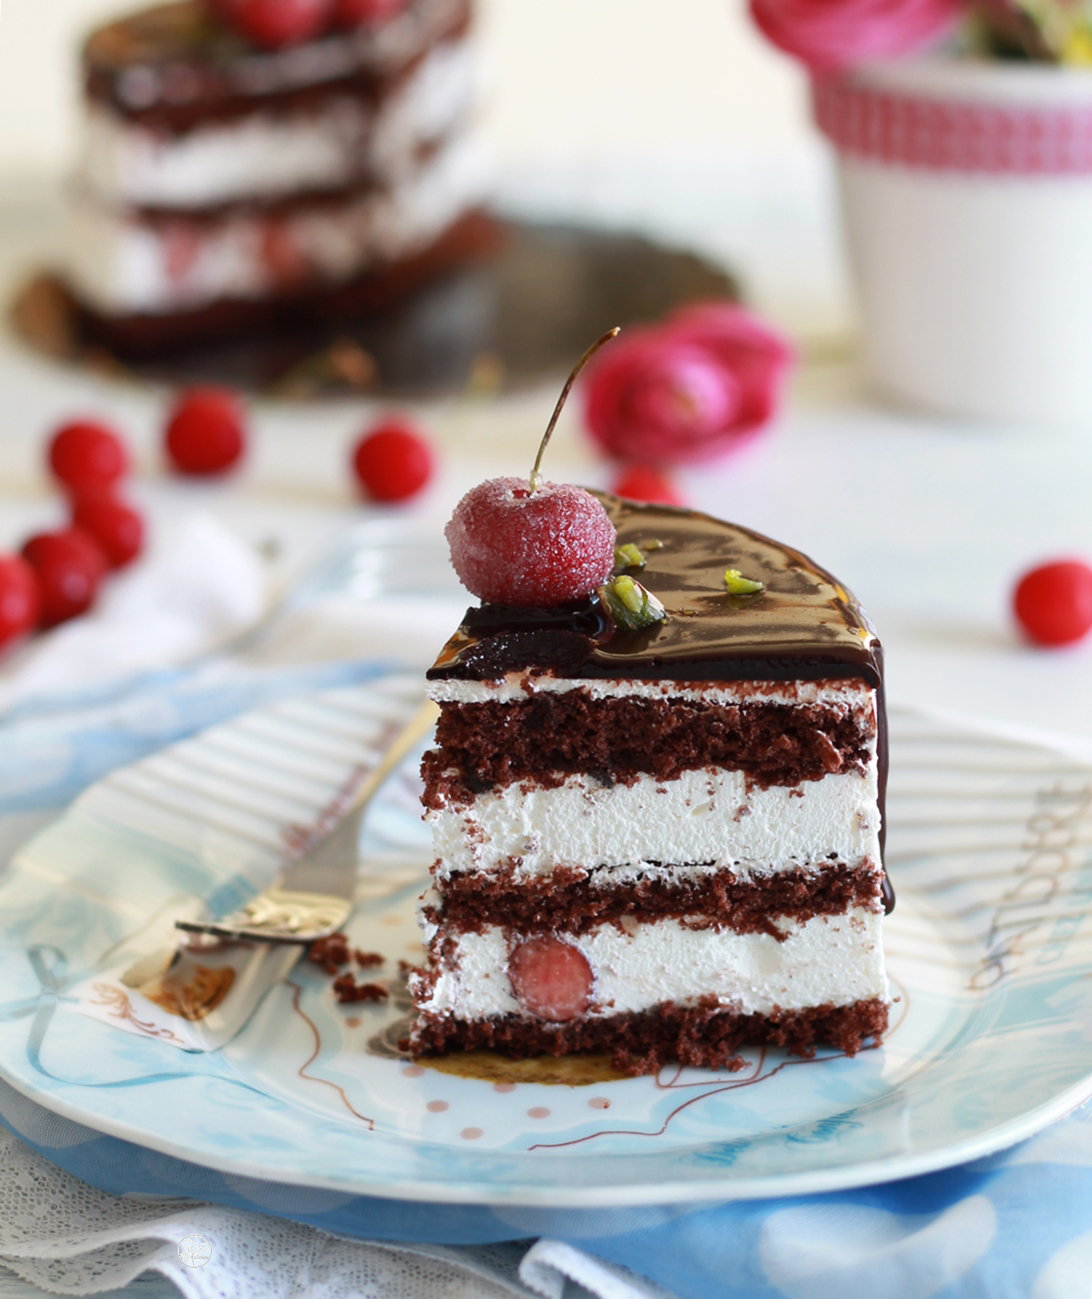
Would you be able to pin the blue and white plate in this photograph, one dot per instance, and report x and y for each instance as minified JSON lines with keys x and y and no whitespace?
{"x":989,"y":949}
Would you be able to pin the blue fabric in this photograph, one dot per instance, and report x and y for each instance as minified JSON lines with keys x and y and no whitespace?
{"x":1019,"y":1223}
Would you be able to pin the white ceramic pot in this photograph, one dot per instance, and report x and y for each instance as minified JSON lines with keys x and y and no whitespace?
{"x":967,"y":195}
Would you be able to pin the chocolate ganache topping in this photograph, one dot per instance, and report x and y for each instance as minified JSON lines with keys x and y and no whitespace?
{"x":175,"y":67}
{"x":805,"y":625}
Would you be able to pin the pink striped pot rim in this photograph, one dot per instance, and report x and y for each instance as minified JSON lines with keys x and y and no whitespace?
{"x":931,"y":119}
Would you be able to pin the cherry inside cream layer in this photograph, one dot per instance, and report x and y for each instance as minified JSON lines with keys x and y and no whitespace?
{"x":550,"y":978}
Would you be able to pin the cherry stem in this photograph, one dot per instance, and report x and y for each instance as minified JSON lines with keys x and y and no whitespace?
{"x":536,"y":472}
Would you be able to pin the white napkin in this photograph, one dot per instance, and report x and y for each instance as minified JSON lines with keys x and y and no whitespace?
{"x":68,"y":1238}
{"x":197,"y":585}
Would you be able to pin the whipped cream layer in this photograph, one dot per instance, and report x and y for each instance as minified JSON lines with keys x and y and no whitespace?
{"x":842,"y":697}
{"x":709,"y":816}
{"x":268,"y":155}
{"x":836,"y":960}
{"x":120,"y":265}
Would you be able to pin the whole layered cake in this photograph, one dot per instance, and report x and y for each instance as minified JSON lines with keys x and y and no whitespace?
{"x":660,"y":836}
{"x":228,"y":185}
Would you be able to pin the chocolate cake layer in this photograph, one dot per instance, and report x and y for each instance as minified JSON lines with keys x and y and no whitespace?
{"x":142,"y":336}
{"x":550,"y":736}
{"x":568,"y":901}
{"x":706,"y":1035}
{"x":176,"y":66}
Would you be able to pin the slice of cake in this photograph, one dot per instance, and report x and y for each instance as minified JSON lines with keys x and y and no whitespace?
{"x":662,"y":842}
{"x":224,"y":187}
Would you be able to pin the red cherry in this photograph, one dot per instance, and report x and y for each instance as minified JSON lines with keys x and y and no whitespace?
{"x":116,"y":526}
{"x":20,"y":598}
{"x":392,"y":461}
{"x":206,"y":431}
{"x":512,"y":547}
{"x":274,"y":24}
{"x":550,"y":978}
{"x":85,"y":455}
{"x":70,"y":566}
{"x":366,"y":13}
{"x":283,"y":257}
{"x":1053,"y":603}
{"x":645,"y":483}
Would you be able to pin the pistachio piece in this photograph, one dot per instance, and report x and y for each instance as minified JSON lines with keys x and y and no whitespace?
{"x":737,"y":584}
{"x":654,"y":544}
{"x":628,"y":556}
{"x":630,"y":605}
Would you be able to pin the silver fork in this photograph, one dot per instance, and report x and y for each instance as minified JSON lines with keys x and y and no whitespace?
{"x":313,"y":897}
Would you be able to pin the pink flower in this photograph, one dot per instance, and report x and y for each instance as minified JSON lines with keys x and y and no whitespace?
{"x":691,"y":388}
{"x":832,"y":34}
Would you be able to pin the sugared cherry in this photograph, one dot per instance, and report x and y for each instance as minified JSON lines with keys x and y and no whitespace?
{"x":115,"y":525}
{"x":274,"y":24}
{"x":648,"y":484}
{"x":85,"y":455}
{"x":206,"y":432}
{"x":532,"y":544}
{"x":366,"y":13}
{"x":20,"y":598}
{"x":392,"y":461}
{"x":1053,"y":603}
{"x":69,"y":566}
{"x":550,"y":978}
{"x":531,"y":550}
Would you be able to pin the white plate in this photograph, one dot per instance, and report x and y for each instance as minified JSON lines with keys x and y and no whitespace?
{"x":990,"y":955}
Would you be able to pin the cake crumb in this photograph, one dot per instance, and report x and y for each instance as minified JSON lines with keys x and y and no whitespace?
{"x":331,"y":952}
{"x":349,"y":991}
